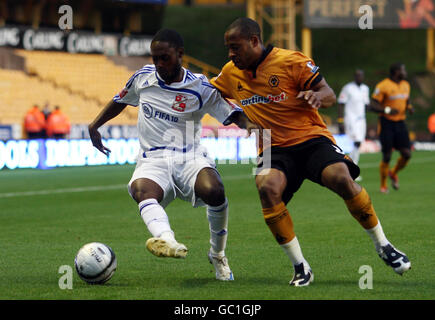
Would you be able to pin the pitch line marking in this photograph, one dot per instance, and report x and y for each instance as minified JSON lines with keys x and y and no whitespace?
{"x":122,"y":186}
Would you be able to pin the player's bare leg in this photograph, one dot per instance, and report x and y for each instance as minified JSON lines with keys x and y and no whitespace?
{"x":271,"y":187}
{"x":148,"y":195}
{"x":405,"y":156}
{"x":337,"y":178}
{"x":384,"y":168}
{"x":209,"y":187}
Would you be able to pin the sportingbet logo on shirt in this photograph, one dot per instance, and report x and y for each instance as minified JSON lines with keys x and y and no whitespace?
{"x":260,"y":99}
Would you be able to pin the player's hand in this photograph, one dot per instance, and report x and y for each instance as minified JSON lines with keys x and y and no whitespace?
{"x":97,"y":142}
{"x":411,"y":110}
{"x":252,"y":127}
{"x":311,"y":97}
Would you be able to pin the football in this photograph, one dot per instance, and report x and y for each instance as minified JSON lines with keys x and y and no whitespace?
{"x":95,"y":263}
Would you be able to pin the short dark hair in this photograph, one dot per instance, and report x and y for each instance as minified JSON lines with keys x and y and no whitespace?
{"x":395,"y":67}
{"x":247,"y":27}
{"x":170,"y":36}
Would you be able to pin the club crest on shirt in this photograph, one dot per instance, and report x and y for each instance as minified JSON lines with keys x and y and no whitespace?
{"x":122,"y":93}
{"x":273,"y":81}
{"x":179,"y":103}
{"x":147,"y":110}
{"x":313,"y":68}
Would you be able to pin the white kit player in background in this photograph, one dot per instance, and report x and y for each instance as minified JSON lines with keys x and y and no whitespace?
{"x":171,"y":162}
{"x":353,"y":101}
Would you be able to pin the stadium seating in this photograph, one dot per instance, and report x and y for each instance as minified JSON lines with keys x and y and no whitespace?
{"x":80,"y":84}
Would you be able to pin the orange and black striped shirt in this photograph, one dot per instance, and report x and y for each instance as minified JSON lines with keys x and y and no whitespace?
{"x":268,"y":95}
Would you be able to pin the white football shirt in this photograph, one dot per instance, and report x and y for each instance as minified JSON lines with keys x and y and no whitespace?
{"x":169,"y":116}
{"x":354,"y":98}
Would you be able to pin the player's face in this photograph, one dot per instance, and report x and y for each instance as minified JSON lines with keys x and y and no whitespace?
{"x":402,"y":74}
{"x":359,"y":76}
{"x":240,"y":50}
{"x":167,"y":60}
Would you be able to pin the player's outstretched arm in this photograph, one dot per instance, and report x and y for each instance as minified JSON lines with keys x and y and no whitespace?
{"x":321,"y":95}
{"x":110,"y":111}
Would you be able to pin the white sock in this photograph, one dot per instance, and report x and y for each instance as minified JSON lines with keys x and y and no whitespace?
{"x":155,"y":219}
{"x":293,"y":251}
{"x":354,"y":154}
{"x":378,"y":236}
{"x":218,"y":224}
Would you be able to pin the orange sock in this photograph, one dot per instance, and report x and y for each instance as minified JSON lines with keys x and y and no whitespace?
{"x":279,"y":222}
{"x":362,"y":210}
{"x":401,"y":163}
{"x":383,"y":170}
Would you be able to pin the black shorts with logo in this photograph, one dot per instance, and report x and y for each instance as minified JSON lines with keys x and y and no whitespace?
{"x":306,"y":161}
{"x":393,"y":134}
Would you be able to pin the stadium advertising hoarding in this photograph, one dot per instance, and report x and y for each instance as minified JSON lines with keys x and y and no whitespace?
{"x":74,"y":41}
{"x":50,"y":153}
{"x":387,"y":14}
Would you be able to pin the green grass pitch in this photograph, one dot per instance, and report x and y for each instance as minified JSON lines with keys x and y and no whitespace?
{"x":46,"y":216}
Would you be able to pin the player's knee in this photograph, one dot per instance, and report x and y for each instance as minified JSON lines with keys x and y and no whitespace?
{"x":140,"y":195}
{"x":406,"y":154}
{"x":386,"y":157}
{"x":213,"y":193}
{"x":339,"y":180}
{"x":268,"y":190}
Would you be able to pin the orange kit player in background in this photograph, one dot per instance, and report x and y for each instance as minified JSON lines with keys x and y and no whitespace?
{"x":34,"y":123}
{"x":281,"y":90}
{"x":58,"y":124}
{"x":391,"y":100}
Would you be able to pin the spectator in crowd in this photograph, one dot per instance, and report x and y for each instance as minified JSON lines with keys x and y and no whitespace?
{"x":34,"y":123}
{"x":58,"y":125}
{"x":46,"y":111}
{"x":431,"y":126}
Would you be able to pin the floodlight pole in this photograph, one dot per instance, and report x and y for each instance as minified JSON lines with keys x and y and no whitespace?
{"x":430,"y":49}
{"x":306,"y":42}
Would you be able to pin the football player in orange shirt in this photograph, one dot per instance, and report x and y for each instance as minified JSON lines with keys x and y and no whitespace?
{"x":281,"y":90}
{"x":391,"y":100}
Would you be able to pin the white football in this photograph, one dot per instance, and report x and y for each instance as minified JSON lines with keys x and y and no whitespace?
{"x":95,"y":263}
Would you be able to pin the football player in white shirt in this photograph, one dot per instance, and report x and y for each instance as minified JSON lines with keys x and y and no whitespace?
{"x":353,"y":101}
{"x":171,"y":162}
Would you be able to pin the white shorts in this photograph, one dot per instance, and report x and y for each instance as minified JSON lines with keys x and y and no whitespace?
{"x":355,"y":129}
{"x":176,"y":175}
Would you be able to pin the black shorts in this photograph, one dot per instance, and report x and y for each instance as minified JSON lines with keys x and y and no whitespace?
{"x":306,"y":161}
{"x":393,"y":134}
